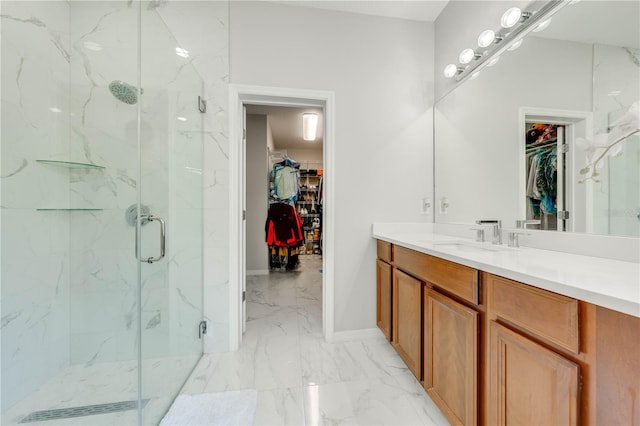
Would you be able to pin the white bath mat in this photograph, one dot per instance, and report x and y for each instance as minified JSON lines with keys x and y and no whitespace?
{"x":220,"y":408}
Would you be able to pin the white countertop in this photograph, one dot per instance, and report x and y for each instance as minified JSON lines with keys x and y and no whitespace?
{"x":613,"y":284}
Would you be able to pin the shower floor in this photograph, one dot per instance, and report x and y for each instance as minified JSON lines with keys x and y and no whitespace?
{"x":80,"y":385}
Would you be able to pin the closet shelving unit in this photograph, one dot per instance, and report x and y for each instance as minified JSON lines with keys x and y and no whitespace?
{"x":307,"y":205}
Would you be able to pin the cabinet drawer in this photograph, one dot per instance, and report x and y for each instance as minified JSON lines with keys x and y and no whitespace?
{"x":548,"y":315}
{"x":385,"y":251}
{"x":452,"y":277}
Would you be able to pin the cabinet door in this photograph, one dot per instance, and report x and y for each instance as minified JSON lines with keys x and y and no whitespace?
{"x":529,"y":384}
{"x":407,"y":321}
{"x":383,"y":306}
{"x":451,"y":357}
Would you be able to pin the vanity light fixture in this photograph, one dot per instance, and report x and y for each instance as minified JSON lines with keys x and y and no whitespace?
{"x":451,"y":70}
{"x":515,"y":25}
{"x":542,"y":26}
{"x":467,"y":55}
{"x":512,"y":16}
{"x":309,"y":126}
{"x":486,"y":38}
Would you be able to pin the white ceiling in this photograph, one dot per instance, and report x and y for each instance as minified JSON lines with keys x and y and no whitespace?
{"x":286,"y":125}
{"x":416,"y":10}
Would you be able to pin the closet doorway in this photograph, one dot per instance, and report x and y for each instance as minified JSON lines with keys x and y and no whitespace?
{"x":550,"y":194}
{"x":280,"y":180}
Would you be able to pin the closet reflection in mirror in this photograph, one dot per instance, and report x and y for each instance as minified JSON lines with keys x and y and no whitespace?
{"x":578,"y":79}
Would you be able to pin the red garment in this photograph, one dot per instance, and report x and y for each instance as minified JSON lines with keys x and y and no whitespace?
{"x":284,"y":226}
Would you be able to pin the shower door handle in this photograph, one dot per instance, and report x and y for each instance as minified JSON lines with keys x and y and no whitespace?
{"x":163,"y":238}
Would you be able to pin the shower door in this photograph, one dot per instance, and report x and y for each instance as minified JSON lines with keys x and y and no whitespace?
{"x":171,"y":191}
{"x":100,"y":130}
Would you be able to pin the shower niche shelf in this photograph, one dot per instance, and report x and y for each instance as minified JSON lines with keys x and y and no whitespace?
{"x":72,"y":165}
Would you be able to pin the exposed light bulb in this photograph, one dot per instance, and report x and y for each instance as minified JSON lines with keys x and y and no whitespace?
{"x":450,"y":70}
{"x":511,"y":17}
{"x":542,"y":25}
{"x":55,"y":109}
{"x":515,"y":45}
{"x":486,"y":38}
{"x":493,"y":61}
{"x":181,"y":118}
{"x":466,"y":56}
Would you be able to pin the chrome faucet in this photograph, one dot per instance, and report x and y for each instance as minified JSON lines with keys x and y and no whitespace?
{"x":496,"y":238}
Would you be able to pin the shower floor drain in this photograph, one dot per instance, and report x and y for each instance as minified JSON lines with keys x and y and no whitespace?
{"x":85,"y":410}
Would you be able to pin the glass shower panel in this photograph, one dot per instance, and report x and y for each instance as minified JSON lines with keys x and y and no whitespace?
{"x":171,"y":189}
{"x":69,"y":165}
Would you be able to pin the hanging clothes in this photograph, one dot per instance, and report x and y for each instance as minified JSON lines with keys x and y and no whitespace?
{"x":286,"y":180}
{"x":284,"y":236}
{"x":541,"y":182}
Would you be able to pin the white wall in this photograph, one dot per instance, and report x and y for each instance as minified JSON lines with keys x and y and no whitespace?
{"x":257,"y":191}
{"x":381,"y":72}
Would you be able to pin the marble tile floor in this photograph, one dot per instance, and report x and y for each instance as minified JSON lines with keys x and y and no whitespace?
{"x":301,"y":379}
{"x":100,"y":383}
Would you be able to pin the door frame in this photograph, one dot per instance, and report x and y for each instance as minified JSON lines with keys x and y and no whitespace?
{"x":240,"y":95}
{"x":567,"y":118}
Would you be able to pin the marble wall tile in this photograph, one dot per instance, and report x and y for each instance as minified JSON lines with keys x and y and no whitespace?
{"x":35,"y":261}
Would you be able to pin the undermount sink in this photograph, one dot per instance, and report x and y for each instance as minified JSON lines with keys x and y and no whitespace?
{"x":470,"y":247}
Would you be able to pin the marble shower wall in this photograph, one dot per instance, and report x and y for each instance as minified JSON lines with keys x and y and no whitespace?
{"x":209,"y":47}
{"x":35,"y":244}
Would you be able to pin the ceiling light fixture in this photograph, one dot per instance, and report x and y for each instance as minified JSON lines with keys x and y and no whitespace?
{"x":486,"y":38}
{"x":309,"y":126}
{"x":510,"y":17}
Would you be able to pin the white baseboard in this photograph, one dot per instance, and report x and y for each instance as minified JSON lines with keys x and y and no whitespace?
{"x":258,"y":272}
{"x":366,"y":333}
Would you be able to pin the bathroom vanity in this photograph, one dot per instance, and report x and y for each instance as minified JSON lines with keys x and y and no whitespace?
{"x":503,"y":336}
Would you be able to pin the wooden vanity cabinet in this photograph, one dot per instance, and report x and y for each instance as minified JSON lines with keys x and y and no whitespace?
{"x":493,"y":351}
{"x":451,"y":357}
{"x":383,"y":305}
{"x":407,"y":320}
{"x":384,"y":288}
{"x":534,"y":355}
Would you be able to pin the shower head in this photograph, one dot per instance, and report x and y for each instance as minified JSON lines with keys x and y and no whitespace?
{"x":124,"y":92}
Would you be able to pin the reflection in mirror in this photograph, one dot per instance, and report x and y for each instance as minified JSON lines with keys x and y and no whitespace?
{"x":550,"y":134}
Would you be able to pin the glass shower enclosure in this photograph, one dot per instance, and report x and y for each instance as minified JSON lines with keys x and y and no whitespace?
{"x":101,"y":213}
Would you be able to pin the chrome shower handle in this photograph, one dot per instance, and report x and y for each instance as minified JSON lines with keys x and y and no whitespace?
{"x":163,"y":239}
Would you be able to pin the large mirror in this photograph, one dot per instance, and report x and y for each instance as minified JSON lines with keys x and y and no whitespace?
{"x":549,"y":134}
